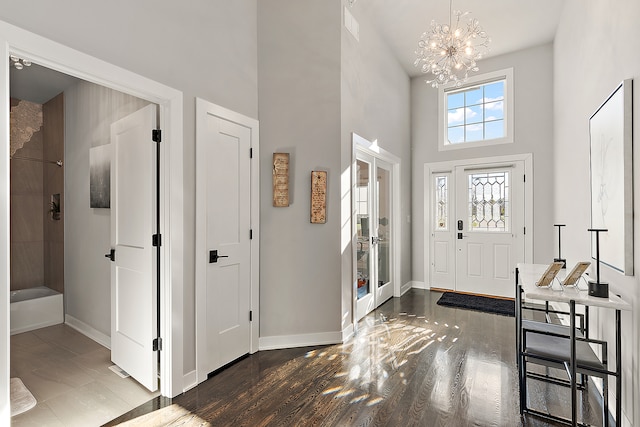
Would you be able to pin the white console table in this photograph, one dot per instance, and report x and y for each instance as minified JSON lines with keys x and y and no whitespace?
{"x":526,"y":277}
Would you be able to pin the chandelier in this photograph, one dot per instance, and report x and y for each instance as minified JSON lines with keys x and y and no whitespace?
{"x":449,"y":52}
{"x":19,"y":63}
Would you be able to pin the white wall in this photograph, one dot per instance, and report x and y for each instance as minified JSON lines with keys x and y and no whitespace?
{"x":204,"y":48}
{"x":299,"y":113}
{"x":89,"y":111}
{"x":375,"y":105}
{"x":533,"y":133}
{"x":596,"y":47}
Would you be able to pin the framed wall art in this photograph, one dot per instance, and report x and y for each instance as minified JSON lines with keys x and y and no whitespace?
{"x":611,"y":134}
{"x":318,"y":197}
{"x":100,"y":176}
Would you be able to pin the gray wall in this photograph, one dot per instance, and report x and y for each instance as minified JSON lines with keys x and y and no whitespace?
{"x":375,"y":105}
{"x":89,"y":111}
{"x":204,"y":48}
{"x":597,"y":47}
{"x":299,"y":104}
{"x":533,"y":133}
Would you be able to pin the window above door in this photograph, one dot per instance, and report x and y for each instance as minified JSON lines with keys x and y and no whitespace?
{"x":480,"y":113}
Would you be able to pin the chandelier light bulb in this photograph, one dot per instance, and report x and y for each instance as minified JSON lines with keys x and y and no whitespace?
{"x":449,"y":52}
{"x":18,"y":65}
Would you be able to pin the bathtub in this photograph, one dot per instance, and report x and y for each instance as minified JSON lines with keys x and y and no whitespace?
{"x":35,"y":308}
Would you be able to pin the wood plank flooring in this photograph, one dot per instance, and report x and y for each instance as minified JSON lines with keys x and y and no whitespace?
{"x":412,"y":363}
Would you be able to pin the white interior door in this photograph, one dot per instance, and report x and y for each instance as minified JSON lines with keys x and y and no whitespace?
{"x":133,"y":270}
{"x":373,"y":208}
{"x":489,"y":228}
{"x":223,"y":300}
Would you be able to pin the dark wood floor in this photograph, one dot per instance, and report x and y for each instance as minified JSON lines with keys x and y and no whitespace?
{"x":412,"y":363}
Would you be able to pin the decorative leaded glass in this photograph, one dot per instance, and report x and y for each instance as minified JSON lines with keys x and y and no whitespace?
{"x":489,"y":201}
{"x":442,"y":203}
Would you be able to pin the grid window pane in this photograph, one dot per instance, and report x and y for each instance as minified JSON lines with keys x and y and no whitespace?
{"x":476,"y":113}
{"x":473,"y":96}
{"x":455,"y":100}
{"x":455,"y":117}
{"x":494,"y":110}
{"x":474,"y":132}
{"x":455,"y":135}
{"x":493,"y":130}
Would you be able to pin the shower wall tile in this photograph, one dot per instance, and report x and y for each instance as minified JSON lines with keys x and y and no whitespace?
{"x":27,"y":265}
{"x":54,"y":265}
{"x":27,"y":216}
{"x":26,"y":177}
{"x":53,"y":130}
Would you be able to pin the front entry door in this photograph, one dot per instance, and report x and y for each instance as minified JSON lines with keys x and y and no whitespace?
{"x":489,"y":228}
{"x":477,"y":228}
{"x":133,"y":270}
{"x":224,"y":328}
{"x":373,"y":201}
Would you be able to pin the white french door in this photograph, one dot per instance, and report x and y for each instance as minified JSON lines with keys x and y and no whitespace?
{"x":373,"y":207}
{"x":477,"y":227}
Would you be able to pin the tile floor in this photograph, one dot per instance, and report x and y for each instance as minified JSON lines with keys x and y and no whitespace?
{"x":69,"y":376}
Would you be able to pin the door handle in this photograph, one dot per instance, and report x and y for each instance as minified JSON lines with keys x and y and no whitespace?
{"x":374,"y":240}
{"x":461,"y":236}
{"x":213,"y":256}
{"x":111,"y":255}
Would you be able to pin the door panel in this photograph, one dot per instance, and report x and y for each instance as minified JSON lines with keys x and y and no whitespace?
{"x":374,"y":250}
{"x":133,"y":272}
{"x":488,"y":203}
{"x":442,"y":228}
{"x":228,"y":203}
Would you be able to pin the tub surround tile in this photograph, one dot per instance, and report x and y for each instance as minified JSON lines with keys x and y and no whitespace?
{"x":27,"y":269}
{"x":27,"y":177}
{"x":27,"y":218}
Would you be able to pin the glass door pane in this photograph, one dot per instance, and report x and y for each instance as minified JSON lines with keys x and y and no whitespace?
{"x":363,"y":217}
{"x":384,"y":225}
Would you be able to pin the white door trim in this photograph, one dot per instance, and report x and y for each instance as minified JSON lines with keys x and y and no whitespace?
{"x":372,"y":148}
{"x":449,"y":166}
{"x":204,"y":107}
{"x":64,"y":59}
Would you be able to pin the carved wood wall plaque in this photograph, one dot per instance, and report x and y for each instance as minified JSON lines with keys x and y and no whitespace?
{"x":318,"y":197}
{"x":280,"y":180}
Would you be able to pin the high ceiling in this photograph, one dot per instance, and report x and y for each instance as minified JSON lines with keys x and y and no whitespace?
{"x":511,"y":24}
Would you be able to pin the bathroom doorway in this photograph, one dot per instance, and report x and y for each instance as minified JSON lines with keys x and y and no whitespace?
{"x":57,"y":148}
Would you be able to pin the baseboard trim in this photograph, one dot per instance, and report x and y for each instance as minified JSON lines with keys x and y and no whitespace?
{"x":419,"y":285}
{"x":190,"y":380}
{"x":404,"y":288}
{"x":303,"y":340}
{"x":102,"y":339}
{"x":347,"y":332}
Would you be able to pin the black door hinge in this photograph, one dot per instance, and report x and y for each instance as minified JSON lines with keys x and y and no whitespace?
{"x":524,"y":178}
{"x":525,"y":230}
{"x":251,"y":153}
{"x":157,"y":344}
{"x":251,"y":316}
{"x":250,"y":234}
{"x":156,"y":135}
{"x":157,"y":240}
